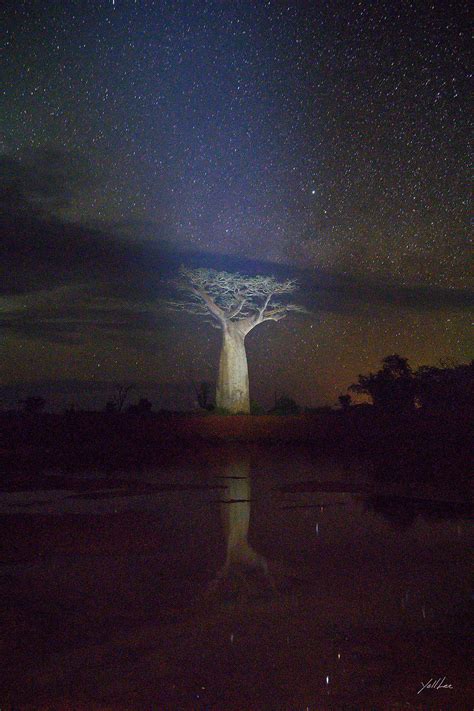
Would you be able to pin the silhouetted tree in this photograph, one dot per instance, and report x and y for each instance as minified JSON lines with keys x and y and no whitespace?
{"x":446,"y":387}
{"x":256,"y":408}
{"x":392,"y":388}
{"x":33,"y":405}
{"x":345,"y":401}
{"x":235,"y":304}
{"x":143,"y":407}
{"x":203,"y":395}
{"x":285,"y":405}
{"x":120,"y":397}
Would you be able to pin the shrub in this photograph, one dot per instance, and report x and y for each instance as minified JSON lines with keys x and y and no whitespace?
{"x":256,"y":408}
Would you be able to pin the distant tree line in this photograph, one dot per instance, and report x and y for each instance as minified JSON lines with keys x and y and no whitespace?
{"x":395,"y":387}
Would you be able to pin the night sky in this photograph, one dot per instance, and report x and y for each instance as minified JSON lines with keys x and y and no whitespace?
{"x":326,"y":141}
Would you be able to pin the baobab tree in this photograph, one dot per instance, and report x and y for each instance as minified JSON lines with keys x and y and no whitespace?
{"x":235,"y":304}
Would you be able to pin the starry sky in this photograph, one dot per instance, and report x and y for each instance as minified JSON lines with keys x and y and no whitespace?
{"x":326,"y":142}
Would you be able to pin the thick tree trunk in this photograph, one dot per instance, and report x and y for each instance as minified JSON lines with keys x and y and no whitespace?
{"x":233,"y":381}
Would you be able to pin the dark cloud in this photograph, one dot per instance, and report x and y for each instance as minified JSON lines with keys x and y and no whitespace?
{"x":45,"y":179}
{"x":39,"y":250}
{"x":62,"y":322}
{"x":76,"y":279}
{"x":39,"y":253}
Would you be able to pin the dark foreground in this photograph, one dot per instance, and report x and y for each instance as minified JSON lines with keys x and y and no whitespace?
{"x":249,"y":578}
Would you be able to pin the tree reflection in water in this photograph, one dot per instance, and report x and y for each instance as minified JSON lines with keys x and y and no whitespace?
{"x":245,"y":571}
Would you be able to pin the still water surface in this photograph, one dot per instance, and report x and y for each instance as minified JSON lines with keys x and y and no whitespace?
{"x":260,"y":578}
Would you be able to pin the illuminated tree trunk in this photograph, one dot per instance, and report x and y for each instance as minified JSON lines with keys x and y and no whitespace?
{"x":233,"y":381}
{"x":236,"y":304}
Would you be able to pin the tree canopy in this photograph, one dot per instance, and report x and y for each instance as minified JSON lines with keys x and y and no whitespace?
{"x":392,"y":387}
{"x":233,"y":297}
{"x":397,"y":387}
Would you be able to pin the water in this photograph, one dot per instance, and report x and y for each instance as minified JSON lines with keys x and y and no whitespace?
{"x":252,"y":578}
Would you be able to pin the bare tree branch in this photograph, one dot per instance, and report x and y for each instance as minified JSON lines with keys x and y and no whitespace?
{"x":264,"y":307}
{"x":237,"y":310}
{"x":232,"y":297}
{"x":121,"y":395}
{"x":211,"y":304}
